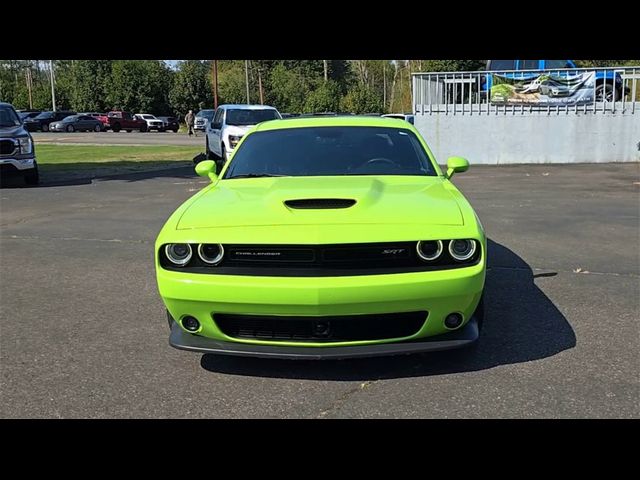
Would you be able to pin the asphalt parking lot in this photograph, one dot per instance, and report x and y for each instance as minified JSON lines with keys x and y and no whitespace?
{"x":84,"y":334}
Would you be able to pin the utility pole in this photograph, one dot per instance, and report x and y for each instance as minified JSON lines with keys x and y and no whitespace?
{"x":260,"y":87}
{"x":28,"y":73}
{"x":215,"y":84}
{"x":384,"y":85}
{"x":246,"y":77}
{"x":53,"y":90}
{"x":326,"y":70}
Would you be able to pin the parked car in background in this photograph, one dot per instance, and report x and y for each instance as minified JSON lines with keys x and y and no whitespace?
{"x":202,"y":120}
{"x":93,"y":114}
{"x":407,"y":117}
{"x":118,"y":120}
{"x":41,"y":122}
{"x":77,"y":123}
{"x":229,"y":125}
{"x":170,"y":123}
{"x":17,"y":154}
{"x":153,"y":123}
{"x":606,"y":80}
{"x":28,"y":114}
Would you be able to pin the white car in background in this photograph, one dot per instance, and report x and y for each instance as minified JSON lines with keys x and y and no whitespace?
{"x":229,"y":125}
{"x":153,"y":123}
{"x":202,"y":120}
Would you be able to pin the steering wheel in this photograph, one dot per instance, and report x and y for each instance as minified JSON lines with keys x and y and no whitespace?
{"x":381,"y":160}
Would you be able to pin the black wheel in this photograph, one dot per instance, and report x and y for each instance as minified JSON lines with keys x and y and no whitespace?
{"x":97,"y":128}
{"x":175,"y":130}
{"x":170,"y":320}
{"x":604,"y":91}
{"x":70,"y":128}
{"x":116,"y":127}
{"x":33,"y":177}
{"x":129,"y":131}
{"x":45,"y":127}
{"x":162,"y":130}
{"x":143,"y":129}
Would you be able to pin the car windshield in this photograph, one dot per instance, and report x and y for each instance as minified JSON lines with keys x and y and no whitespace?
{"x":208,"y":114}
{"x":323,"y":151}
{"x":70,"y":118}
{"x":8,"y":117}
{"x":45,"y":115}
{"x":250,"y":117}
{"x":148,"y":117}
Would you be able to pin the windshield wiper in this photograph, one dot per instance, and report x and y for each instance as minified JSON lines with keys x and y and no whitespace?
{"x":257,"y":175}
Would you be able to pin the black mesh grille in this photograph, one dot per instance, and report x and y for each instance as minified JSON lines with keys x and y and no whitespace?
{"x":320,"y":203}
{"x":7,"y":147}
{"x":321,"y":329}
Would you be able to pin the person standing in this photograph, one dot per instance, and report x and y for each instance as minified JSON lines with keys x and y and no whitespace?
{"x":189,"y":120}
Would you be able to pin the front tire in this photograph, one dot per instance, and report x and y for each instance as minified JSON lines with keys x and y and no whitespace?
{"x":97,"y":128}
{"x":604,"y":91}
{"x":45,"y":128}
{"x":116,"y":128}
{"x":70,"y":128}
{"x":33,"y":177}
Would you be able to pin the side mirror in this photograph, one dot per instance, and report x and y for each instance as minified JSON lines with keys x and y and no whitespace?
{"x":207,"y":168}
{"x":456,"y":165}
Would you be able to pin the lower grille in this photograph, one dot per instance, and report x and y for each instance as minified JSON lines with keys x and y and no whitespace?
{"x":321,"y":329}
{"x":7,"y":147}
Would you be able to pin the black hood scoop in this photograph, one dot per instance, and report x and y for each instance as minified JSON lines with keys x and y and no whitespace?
{"x":320,"y":203}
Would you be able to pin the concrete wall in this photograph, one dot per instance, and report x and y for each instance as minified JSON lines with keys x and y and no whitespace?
{"x":533,"y":138}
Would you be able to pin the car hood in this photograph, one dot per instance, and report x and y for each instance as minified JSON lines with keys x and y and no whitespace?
{"x":423,"y":200}
{"x":237,"y":129}
{"x":12,"y":131}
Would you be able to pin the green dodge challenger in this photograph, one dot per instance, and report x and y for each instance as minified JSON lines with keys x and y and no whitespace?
{"x":324,"y":238}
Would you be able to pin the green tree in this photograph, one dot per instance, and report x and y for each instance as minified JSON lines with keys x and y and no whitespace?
{"x":325,"y":98}
{"x":361,"y":99}
{"x":139,"y":86}
{"x":288,"y":89}
{"x":191,"y":87}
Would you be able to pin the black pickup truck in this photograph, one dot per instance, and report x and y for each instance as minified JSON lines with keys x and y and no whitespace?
{"x":17,"y":154}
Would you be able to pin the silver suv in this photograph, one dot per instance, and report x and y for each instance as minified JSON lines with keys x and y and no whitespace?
{"x":17,"y":155}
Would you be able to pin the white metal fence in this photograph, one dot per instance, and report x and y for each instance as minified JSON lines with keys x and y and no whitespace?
{"x":615,"y":90}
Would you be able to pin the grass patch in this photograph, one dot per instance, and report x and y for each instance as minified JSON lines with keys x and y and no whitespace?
{"x":66,"y":162}
{"x":69,"y":154}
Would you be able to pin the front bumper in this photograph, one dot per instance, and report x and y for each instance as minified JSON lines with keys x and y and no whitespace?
{"x":200,"y":127}
{"x":9,"y":165}
{"x":457,"y":339}
{"x":437,"y":292}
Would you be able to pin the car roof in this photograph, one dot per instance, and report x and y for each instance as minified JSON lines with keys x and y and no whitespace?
{"x":339,"y":121}
{"x":243,"y":106}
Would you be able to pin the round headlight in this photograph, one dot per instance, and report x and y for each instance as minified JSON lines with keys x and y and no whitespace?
{"x":178,"y":253}
{"x":462,"y":250}
{"x":210,"y":253}
{"x":429,"y":249}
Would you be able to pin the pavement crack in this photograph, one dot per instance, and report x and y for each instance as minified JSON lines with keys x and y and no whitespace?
{"x":342,"y":399}
{"x":574,"y":271}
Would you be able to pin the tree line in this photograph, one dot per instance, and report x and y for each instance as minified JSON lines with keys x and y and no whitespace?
{"x":152,"y":86}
